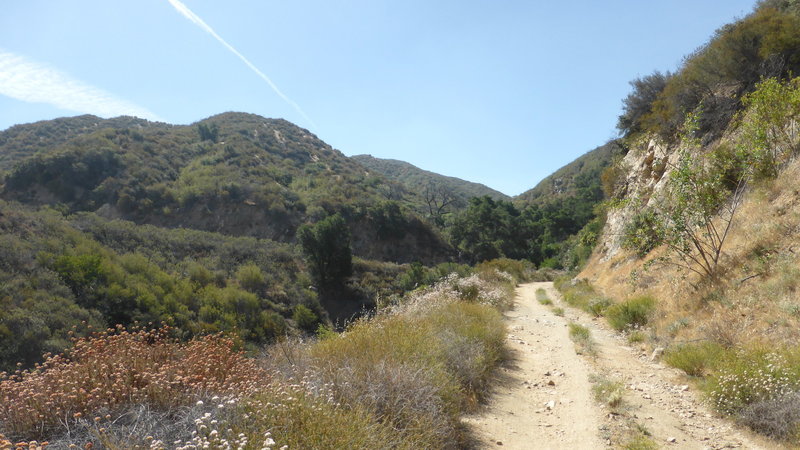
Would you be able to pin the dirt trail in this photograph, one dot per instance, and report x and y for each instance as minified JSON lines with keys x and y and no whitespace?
{"x":544,"y":399}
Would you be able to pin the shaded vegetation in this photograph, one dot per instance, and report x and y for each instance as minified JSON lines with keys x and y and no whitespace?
{"x":557,"y":223}
{"x":559,"y":233}
{"x":326,"y":244}
{"x":62,"y":275}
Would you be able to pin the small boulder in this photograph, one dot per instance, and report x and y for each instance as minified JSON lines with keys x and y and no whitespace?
{"x":657,"y":353}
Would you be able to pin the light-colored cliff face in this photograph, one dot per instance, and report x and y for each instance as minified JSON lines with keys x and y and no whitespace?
{"x":646,"y":167}
{"x":755,"y":296}
{"x":646,"y":170}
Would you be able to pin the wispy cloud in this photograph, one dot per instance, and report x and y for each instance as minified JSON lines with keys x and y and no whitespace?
{"x":195,"y":19}
{"x":31,"y":81}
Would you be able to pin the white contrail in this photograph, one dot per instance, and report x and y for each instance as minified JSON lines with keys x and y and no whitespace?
{"x":34,"y":82}
{"x":194,"y":18}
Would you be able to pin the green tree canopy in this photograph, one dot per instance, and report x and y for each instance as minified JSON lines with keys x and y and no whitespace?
{"x":326,"y":245}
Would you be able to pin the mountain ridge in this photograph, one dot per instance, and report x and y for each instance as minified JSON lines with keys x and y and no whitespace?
{"x":567,"y":179}
{"x":236,"y":173}
{"x":416,"y":178}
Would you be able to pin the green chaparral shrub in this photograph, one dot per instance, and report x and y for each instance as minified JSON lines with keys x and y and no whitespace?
{"x":542,"y":298}
{"x":305,"y":318}
{"x":640,"y":442}
{"x":580,"y":294}
{"x":636,"y":106}
{"x":632,"y":313}
{"x":696,"y":359}
{"x":636,"y":336}
{"x":768,"y":139}
{"x":598,"y":305}
{"x":327,"y":247}
{"x":642,"y":233}
{"x":607,"y":391}
{"x":582,"y":337}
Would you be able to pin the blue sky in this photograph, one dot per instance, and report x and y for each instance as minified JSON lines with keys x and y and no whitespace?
{"x":499,"y":92}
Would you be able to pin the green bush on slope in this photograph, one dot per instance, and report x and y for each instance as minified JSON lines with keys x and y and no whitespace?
{"x":632,"y":313}
{"x":397,"y":380}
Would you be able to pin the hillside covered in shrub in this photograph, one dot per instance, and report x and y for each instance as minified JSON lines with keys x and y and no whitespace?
{"x":65,"y":275}
{"x":234,"y":173}
{"x":60,"y":276}
{"x":236,"y":224}
{"x":575,"y":178}
{"x":554,"y":225}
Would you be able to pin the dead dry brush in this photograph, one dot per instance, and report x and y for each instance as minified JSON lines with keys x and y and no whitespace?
{"x":120,"y":367}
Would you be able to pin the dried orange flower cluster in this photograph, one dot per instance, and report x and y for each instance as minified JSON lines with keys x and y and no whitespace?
{"x":5,"y":444}
{"x":119,"y":367}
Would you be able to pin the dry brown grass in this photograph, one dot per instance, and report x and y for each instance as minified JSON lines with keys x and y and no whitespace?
{"x":417,"y":372}
{"x":416,"y":366}
{"x":757,"y":297}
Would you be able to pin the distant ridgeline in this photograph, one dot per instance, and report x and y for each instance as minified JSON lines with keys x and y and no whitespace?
{"x":435,"y":189}
{"x":577,"y":179}
{"x":237,"y":174}
{"x":244,"y":175}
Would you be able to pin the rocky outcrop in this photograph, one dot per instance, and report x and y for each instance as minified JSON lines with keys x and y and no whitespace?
{"x":646,"y":170}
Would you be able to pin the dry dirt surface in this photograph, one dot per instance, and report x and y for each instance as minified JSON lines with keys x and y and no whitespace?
{"x":544,"y":399}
